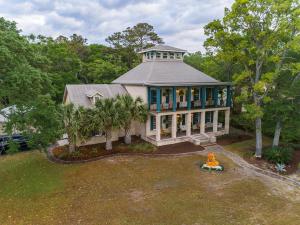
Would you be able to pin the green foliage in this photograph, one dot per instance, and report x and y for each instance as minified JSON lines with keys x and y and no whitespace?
{"x":39,"y":120}
{"x":13,"y":147}
{"x":77,"y":124}
{"x":279,"y":154}
{"x":258,"y":35}
{"x":142,"y":147}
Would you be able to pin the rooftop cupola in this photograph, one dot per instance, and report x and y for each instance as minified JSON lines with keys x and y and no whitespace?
{"x":162,"y":53}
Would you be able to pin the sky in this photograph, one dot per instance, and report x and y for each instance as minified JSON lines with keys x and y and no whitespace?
{"x":179,"y":22}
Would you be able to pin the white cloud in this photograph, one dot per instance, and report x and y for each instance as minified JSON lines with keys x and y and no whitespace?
{"x":180,"y":23}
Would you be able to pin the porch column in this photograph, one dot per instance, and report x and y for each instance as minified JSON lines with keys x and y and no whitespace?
{"x":158,"y":103}
{"x":157,"y":127}
{"x":227,"y":117}
{"x":188,"y":124}
{"x":215,"y":121}
{"x":174,"y":99}
{"x":202,"y":123}
{"x":174,"y":125}
{"x":148,"y":126}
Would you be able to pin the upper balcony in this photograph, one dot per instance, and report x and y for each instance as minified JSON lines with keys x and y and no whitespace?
{"x":188,"y":98}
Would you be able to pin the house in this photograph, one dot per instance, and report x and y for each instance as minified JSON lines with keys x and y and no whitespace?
{"x":184,"y":103}
{"x":4,"y":114}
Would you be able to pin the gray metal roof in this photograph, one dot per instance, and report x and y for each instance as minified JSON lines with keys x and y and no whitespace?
{"x":166,"y":73}
{"x":78,"y":93}
{"x":163,"y":48}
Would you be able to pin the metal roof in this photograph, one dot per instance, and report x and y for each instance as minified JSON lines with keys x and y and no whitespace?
{"x":78,"y":93}
{"x":166,"y":73}
{"x":162,"y":48}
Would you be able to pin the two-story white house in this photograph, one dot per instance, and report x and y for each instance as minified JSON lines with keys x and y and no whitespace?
{"x":184,"y":103}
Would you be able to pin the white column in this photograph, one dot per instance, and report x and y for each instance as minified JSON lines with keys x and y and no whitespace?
{"x":188,"y":124}
{"x":157,"y":127}
{"x":227,"y":116}
{"x":202,"y":123}
{"x":174,"y":125}
{"x":148,"y":126}
{"x":215,"y":122}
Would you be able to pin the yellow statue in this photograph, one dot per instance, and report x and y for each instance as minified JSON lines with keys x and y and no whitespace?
{"x":211,"y":160}
{"x":212,"y":163}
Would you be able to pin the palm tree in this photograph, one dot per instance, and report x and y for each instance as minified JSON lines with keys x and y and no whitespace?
{"x":75,"y":125}
{"x":132,"y":109}
{"x":107,"y":118}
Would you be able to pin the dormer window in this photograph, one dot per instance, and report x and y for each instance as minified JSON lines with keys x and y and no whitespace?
{"x":165,"y":55}
{"x":96,"y":98}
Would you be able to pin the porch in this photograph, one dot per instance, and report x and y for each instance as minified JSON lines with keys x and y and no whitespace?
{"x":197,"y":126}
{"x":162,"y":99}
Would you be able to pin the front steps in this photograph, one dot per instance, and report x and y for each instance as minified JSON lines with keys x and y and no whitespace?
{"x":202,"y":139}
{"x":196,"y":139}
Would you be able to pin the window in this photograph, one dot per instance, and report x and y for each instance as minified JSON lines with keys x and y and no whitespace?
{"x":152,"y":122}
{"x":181,"y":98}
{"x":183,"y":119}
{"x":158,"y":55}
{"x":96,"y":98}
{"x":152,"y":55}
{"x":171,"y":55}
{"x":97,"y":133}
{"x":148,"y":55}
{"x":196,"y":94}
{"x":165,"y":55}
{"x":178,"y":56}
{"x":153,"y":96}
{"x":196,"y":118}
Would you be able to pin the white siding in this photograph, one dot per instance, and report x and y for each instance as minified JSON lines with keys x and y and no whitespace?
{"x":137,"y":91}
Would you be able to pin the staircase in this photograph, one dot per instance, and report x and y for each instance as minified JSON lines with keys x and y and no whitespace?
{"x":202,"y":139}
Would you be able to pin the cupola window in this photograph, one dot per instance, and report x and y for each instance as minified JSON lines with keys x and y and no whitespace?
{"x":158,"y":55}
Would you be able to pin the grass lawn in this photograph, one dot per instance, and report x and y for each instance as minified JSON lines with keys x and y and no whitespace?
{"x":136,"y":190}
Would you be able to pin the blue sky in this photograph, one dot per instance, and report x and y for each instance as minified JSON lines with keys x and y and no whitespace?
{"x":179,"y":22}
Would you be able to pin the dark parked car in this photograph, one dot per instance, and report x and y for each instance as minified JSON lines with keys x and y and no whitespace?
{"x":17,"y":138}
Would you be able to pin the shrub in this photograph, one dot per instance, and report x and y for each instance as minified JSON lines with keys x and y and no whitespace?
{"x":142,"y":147}
{"x":13,"y":147}
{"x":281,"y":155}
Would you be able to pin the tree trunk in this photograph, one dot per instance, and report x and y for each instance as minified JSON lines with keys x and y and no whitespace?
{"x":71,"y":148}
{"x":277,"y":134}
{"x":108,"y":144}
{"x":258,"y":133}
{"x":127,"y":138}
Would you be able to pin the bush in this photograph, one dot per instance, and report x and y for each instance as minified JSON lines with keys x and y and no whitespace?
{"x":13,"y":147}
{"x":281,"y":155}
{"x":142,"y":147}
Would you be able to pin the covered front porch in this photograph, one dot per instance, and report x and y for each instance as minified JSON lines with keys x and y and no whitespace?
{"x":174,"y":127}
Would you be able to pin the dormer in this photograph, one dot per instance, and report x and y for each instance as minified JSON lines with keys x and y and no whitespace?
{"x":94,"y":96}
{"x":162,"y":53}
